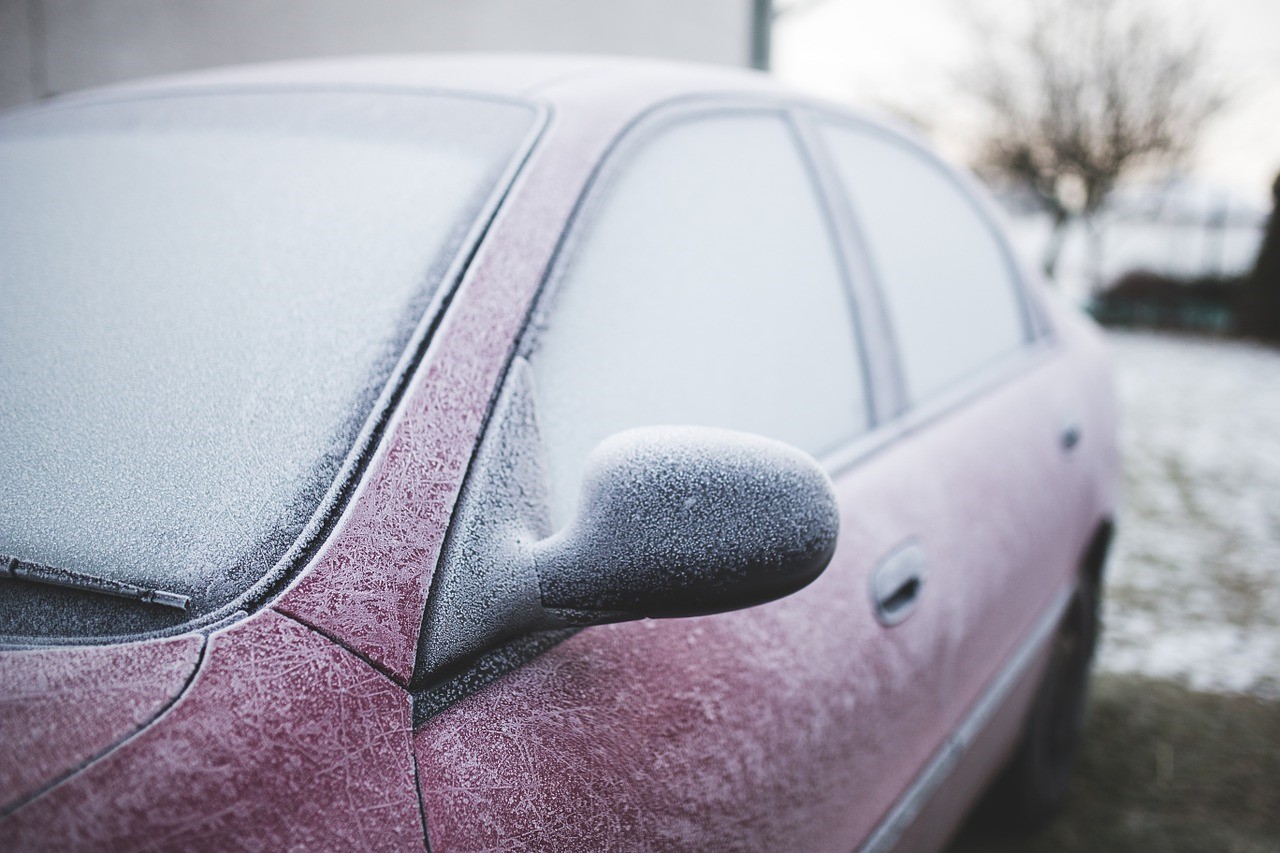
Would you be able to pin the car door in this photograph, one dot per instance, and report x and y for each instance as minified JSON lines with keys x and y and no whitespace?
{"x":701,"y":284}
{"x":988,"y":400}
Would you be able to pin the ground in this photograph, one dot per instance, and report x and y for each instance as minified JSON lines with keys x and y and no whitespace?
{"x":1163,"y":769}
{"x":1193,"y":591}
{"x":1182,"y":746}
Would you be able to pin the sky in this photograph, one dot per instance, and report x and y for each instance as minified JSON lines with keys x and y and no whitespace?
{"x":901,"y":54}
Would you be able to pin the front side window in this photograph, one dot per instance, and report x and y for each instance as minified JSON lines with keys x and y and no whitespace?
{"x":702,"y":289}
{"x":201,"y":299}
{"x":950,"y":294}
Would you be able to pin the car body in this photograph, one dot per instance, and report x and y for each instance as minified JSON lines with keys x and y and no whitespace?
{"x":756,"y":261}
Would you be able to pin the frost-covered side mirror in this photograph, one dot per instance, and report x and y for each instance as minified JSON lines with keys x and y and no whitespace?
{"x":683,"y":521}
{"x":671,"y":521}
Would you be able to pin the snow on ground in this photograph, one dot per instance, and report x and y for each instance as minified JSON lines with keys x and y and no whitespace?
{"x":1194,"y":581}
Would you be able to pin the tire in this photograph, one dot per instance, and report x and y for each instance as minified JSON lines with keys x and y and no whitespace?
{"x":1032,"y":789}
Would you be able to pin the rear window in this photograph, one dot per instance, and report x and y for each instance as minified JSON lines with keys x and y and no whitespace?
{"x":201,"y":301}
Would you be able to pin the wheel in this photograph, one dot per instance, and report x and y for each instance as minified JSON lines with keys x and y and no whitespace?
{"x":1032,"y":789}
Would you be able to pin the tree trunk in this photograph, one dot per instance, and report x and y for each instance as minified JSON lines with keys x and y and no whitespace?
{"x":1053,"y":249}
{"x":1093,"y":234}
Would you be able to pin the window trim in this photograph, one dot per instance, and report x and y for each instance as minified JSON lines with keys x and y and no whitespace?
{"x":1035,"y":327}
{"x":883,"y":367}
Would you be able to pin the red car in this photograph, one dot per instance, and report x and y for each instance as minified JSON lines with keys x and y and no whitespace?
{"x":365,"y":424}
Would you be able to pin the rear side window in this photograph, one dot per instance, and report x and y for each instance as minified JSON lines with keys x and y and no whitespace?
{"x":702,"y":289}
{"x":949,"y":291}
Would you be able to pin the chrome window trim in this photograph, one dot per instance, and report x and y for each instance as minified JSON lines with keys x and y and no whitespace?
{"x":1021,"y":363}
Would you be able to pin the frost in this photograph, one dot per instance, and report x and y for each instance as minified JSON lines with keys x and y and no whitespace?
{"x":1194,"y":584}
{"x":671,"y":521}
{"x":200,"y":301}
{"x":486,"y":587}
{"x":945,"y":280}
{"x":284,"y":741}
{"x":697,"y":297}
{"x":61,"y":707}
{"x":683,"y":521}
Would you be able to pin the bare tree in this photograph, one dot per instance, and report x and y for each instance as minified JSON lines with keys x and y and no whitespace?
{"x":1081,"y":95}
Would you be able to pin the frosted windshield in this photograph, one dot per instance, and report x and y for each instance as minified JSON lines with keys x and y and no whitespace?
{"x":201,"y":300}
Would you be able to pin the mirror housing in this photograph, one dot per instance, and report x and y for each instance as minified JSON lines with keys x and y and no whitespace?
{"x":685,"y":521}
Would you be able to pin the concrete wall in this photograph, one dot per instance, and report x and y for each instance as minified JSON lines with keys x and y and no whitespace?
{"x":53,"y":46}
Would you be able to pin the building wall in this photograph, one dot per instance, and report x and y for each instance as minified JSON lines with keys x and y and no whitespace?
{"x":53,"y":46}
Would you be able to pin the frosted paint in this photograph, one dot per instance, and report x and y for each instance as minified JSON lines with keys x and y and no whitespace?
{"x":798,"y":724}
{"x":486,"y":588}
{"x":200,"y":300}
{"x":283,"y":741}
{"x":945,"y":280}
{"x":704,"y":291}
{"x":61,"y":707}
{"x":368,"y":587}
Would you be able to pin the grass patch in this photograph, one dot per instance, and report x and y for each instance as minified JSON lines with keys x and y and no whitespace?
{"x":1163,"y":768}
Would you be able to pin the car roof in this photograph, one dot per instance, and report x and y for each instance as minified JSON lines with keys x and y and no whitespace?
{"x":572,"y":83}
{"x":504,"y":75}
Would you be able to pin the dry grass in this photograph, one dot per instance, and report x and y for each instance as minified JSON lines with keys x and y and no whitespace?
{"x":1164,"y":768}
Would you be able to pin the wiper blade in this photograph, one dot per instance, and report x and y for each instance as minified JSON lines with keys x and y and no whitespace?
{"x":37,"y":573}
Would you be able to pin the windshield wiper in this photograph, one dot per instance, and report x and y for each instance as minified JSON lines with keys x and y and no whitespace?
{"x":36,"y":573}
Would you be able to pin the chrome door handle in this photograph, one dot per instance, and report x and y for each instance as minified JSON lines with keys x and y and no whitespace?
{"x":897,"y":582}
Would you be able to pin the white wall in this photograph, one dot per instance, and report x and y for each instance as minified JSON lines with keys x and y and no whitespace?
{"x":53,"y":46}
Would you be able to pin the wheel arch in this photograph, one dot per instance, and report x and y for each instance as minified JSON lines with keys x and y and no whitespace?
{"x":1094,"y":561}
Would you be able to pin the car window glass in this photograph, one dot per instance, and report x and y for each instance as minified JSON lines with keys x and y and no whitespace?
{"x":703,"y":290}
{"x":947,"y":285}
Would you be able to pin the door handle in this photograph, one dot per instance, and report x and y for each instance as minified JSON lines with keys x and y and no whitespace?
{"x":897,"y":582}
{"x":1071,"y":435}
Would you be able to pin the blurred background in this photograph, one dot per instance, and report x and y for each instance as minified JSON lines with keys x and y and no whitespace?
{"x":1134,"y":146}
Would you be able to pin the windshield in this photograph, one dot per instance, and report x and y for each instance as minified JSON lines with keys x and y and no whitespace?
{"x":202,"y":299}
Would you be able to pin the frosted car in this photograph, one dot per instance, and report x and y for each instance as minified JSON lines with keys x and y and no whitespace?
{"x":527,"y":454}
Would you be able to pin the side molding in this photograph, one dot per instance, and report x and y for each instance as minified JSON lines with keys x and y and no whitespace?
{"x":887,"y":834}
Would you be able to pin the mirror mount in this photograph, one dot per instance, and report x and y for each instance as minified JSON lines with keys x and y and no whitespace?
{"x":671,"y":521}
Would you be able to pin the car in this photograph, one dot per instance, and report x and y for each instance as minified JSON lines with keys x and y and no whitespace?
{"x":518,"y":452}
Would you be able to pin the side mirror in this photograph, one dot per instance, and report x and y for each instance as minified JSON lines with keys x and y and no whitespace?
{"x":684,"y":521}
{"x":672,"y":521}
